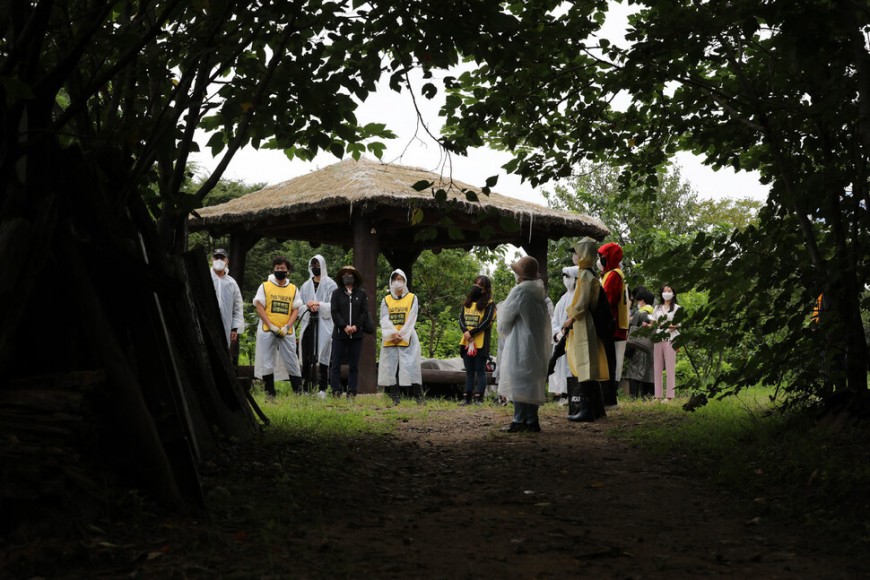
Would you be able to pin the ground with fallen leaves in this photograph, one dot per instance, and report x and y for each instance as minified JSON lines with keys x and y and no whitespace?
{"x":445,"y":495}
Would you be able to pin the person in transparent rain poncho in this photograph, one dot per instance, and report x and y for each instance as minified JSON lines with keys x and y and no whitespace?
{"x":399,"y":365}
{"x":557,"y":381}
{"x":315,"y":326}
{"x":229,"y":296}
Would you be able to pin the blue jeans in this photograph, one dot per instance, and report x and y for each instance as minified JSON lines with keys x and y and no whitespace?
{"x":525,"y":413}
{"x":475,"y":370}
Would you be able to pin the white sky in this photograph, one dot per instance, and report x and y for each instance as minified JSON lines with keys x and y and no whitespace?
{"x":413,"y":147}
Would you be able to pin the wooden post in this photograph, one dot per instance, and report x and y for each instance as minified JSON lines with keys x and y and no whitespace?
{"x":403,"y":259}
{"x":240,"y":243}
{"x":365,"y":259}
{"x":537,"y":248}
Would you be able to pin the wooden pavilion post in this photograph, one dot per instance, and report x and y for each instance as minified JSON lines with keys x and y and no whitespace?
{"x":240,"y":243}
{"x":365,"y":259}
{"x":403,"y":259}
{"x":537,"y":248}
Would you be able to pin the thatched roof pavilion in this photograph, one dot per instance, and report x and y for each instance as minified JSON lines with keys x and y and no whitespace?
{"x":371,"y":207}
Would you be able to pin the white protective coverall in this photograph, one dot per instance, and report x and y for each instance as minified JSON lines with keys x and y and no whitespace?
{"x":558,"y":381}
{"x":324,"y":318}
{"x":406,"y":359}
{"x":229,"y":299}
{"x":267,"y":343}
{"x":525,"y":343}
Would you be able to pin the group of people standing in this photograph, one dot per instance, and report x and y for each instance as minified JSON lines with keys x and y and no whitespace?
{"x":590,"y":324}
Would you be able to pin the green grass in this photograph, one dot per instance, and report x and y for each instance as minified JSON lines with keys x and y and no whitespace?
{"x":786,"y":465}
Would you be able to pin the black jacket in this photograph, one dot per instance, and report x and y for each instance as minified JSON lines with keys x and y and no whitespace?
{"x":351,"y":310}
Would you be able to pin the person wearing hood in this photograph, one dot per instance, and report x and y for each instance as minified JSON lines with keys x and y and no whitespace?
{"x":229,"y":297}
{"x":524,"y":329}
{"x":613,"y":282}
{"x":584,"y":349}
{"x":277,"y":302}
{"x":399,"y":364}
{"x":475,"y":321}
{"x":315,"y":328}
{"x":558,"y":381}
{"x":349,"y":305}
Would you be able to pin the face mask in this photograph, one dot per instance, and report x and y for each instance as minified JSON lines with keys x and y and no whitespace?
{"x":569,"y":282}
{"x":476,"y":292}
{"x":280,"y":274}
{"x":397,"y":287}
{"x":599,"y":265}
{"x":575,"y":258}
{"x":347,"y":280}
{"x":315,"y":271}
{"x":517,"y":278}
{"x":218,"y":265}
{"x":668,"y":295}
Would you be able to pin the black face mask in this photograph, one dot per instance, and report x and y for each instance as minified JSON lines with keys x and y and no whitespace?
{"x":476,"y":292}
{"x":347,"y":280}
{"x":315,"y":271}
{"x":280,"y":274}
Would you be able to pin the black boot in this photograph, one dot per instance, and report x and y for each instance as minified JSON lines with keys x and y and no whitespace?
{"x":477,"y":399}
{"x":609,"y":390}
{"x":597,"y":399}
{"x":395,"y":394}
{"x":269,"y":386}
{"x":634,"y":389}
{"x":418,"y":394}
{"x":296,"y":383}
{"x":580,"y":398}
{"x":467,"y":400}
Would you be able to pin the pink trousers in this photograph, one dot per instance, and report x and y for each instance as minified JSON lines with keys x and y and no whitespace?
{"x":664,"y":359}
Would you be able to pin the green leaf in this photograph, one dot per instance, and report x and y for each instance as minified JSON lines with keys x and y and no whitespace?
{"x":421,"y":185}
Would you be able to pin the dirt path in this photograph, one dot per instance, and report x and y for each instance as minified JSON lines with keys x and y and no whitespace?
{"x":450,"y":496}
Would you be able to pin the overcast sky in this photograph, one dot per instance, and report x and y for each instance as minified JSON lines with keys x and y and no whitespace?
{"x":413,"y":147}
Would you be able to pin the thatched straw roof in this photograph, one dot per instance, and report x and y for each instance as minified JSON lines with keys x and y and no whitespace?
{"x":370,"y":186}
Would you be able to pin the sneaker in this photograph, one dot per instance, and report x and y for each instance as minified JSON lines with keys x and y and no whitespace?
{"x":322,"y":394}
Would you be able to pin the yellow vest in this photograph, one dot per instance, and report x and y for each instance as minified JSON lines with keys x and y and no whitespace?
{"x":399,"y":310}
{"x":622,"y":308}
{"x":473,"y":317}
{"x":279,"y":303}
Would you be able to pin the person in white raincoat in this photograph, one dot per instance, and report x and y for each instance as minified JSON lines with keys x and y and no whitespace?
{"x":400,"y":347}
{"x":277,"y":303}
{"x":316,"y":323}
{"x":557,"y":383}
{"x":524,"y":330}
{"x":229,"y":296}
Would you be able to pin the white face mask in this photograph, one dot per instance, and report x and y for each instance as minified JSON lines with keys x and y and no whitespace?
{"x":397,"y":287}
{"x":218,"y":265}
{"x":576,"y":259}
{"x":667,"y":296}
{"x":569,"y":282}
{"x":517,"y":278}
{"x":599,"y":265}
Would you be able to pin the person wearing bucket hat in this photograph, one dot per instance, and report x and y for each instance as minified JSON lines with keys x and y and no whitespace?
{"x":351,"y":318}
{"x":277,"y":303}
{"x":524,"y":329}
{"x":229,"y":296}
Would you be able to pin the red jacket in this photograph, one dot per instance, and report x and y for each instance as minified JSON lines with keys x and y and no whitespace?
{"x":613,"y":282}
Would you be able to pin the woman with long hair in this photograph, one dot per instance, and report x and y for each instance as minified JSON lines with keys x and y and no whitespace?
{"x":664,"y":355}
{"x":475,"y":322}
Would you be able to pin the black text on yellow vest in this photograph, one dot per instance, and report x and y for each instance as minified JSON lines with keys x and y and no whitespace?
{"x":473,"y":317}
{"x":279,"y":303}
{"x":399,"y":309}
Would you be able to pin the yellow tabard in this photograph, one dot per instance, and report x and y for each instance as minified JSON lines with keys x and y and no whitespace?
{"x":279,"y":303}
{"x":622,"y":308}
{"x":473,"y":317}
{"x":399,"y":311}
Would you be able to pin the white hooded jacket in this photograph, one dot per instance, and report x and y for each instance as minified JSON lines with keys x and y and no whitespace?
{"x":324,"y":313}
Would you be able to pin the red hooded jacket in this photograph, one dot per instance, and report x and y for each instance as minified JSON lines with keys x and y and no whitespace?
{"x":613,"y":282}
